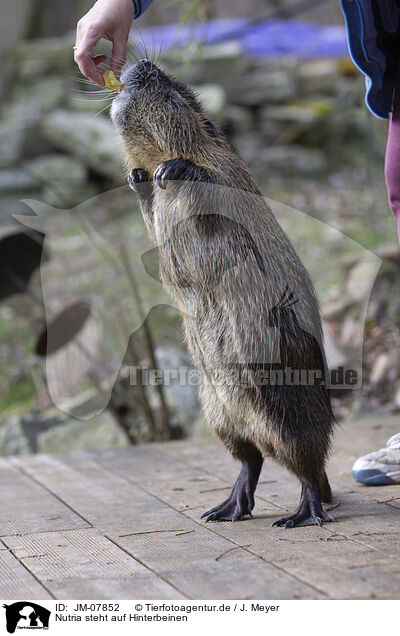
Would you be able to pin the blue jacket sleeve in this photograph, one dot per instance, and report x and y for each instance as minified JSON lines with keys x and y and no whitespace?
{"x":140,"y":7}
{"x":373,"y":28}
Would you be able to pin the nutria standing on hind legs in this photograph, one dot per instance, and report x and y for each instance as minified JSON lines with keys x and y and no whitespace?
{"x":247,"y":302}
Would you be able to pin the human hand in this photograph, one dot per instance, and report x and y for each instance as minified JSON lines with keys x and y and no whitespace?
{"x":110,"y":19}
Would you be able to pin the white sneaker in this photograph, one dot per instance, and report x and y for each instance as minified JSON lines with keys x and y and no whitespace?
{"x":380,"y":467}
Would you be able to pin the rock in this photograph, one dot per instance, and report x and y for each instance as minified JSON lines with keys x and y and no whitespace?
{"x":10,"y":204}
{"x":45,"y":55}
{"x":20,"y":129}
{"x":11,"y":142}
{"x":55,"y":179}
{"x":98,"y":433}
{"x":182,"y":391}
{"x":360,"y":277}
{"x":67,"y":195}
{"x":20,"y":140}
{"x":336,"y":308}
{"x":263,"y":87}
{"x":16,"y":181}
{"x":286,"y":160}
{"x":239,"y":118}
{"x":219,"y":64}
{"x":92,"y":139}
{"x":320,"y":76}
{"x":249,"y":144}
{"x":380,"y":368}
{"x":213,"y":98}
{"x":334,"y":355}
{"x":351,"y":332}
{"x":12,"y":437}
{"x":229,"y":50}
{"x":389,"y":251}
{"x":300,"y":116}
{"x":396,"y":401}
{"x":57,"y":169}
{"x":31,"y":101}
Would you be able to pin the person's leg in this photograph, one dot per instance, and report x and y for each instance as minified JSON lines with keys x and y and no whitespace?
{"x":383,"y":466}
{"x":392,"y":160}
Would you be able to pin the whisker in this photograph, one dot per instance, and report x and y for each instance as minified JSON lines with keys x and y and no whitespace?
{"x":100,"y":93}
{"x":102,"y":110}
{"x":131,"y":56}
{"x":83,"y":81}
{"x":101,"y":100}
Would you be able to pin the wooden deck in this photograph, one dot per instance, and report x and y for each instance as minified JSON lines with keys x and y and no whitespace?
{"x":125,"y":524}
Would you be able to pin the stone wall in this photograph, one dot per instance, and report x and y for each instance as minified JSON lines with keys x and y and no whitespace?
{"x":281,"y":114}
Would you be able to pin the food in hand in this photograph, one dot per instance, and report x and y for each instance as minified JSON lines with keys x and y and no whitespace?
{"x":111,"y":81}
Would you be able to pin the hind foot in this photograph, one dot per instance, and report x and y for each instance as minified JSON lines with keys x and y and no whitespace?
{"x":239,"y":504}
{"x":309,"y":512}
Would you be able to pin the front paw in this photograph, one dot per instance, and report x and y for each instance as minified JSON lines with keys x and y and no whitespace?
{"x":172,"y":170}
{"x":136,"y":177}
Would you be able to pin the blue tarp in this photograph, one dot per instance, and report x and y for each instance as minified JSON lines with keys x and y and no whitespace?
{"x":269,"y":38}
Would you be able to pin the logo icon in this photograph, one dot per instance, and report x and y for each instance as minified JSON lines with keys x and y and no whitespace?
{"x":26,"y":615}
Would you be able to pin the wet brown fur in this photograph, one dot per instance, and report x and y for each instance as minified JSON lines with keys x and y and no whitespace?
{"x":228,"y":271}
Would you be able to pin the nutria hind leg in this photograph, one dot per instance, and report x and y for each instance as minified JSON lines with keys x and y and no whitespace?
{"x":309,"y":511}
{"x":325,"y":489}
{"x":240,"y":502}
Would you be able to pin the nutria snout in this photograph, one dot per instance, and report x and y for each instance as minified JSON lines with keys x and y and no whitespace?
{"x":240,"y":285}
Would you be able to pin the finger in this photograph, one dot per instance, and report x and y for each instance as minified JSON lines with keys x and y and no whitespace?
{"x":88,"y":67}
{"x":84,"y":58}
{"x":118,"y":55}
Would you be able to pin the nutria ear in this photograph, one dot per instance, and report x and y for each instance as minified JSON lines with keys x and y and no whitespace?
{"x":209,"y":126}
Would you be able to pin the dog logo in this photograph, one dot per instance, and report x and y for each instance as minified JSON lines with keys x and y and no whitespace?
{"x":26,"y":615}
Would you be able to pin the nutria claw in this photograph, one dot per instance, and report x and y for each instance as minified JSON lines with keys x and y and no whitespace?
{"x":239,"y":504}
{"x":232,"y":509}
{"x":171,"y":170}
{"x":309,"y":512}
{"x":136,"y":176}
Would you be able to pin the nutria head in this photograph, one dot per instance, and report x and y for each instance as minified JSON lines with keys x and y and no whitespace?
{"x":159,"y":118}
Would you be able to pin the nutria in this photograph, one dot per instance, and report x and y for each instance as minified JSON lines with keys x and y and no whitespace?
{"x":244,"y":294}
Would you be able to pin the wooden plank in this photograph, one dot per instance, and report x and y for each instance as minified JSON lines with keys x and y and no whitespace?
{"x":206,"y":469}
{"x":16,"y":582}
{"x":26,"y":507}
{"x":338,"y":559}
{"x":80,"y":564}
{"x":168,"y":542}
{"x":205,"y":565}
{"x":107,"y":500}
